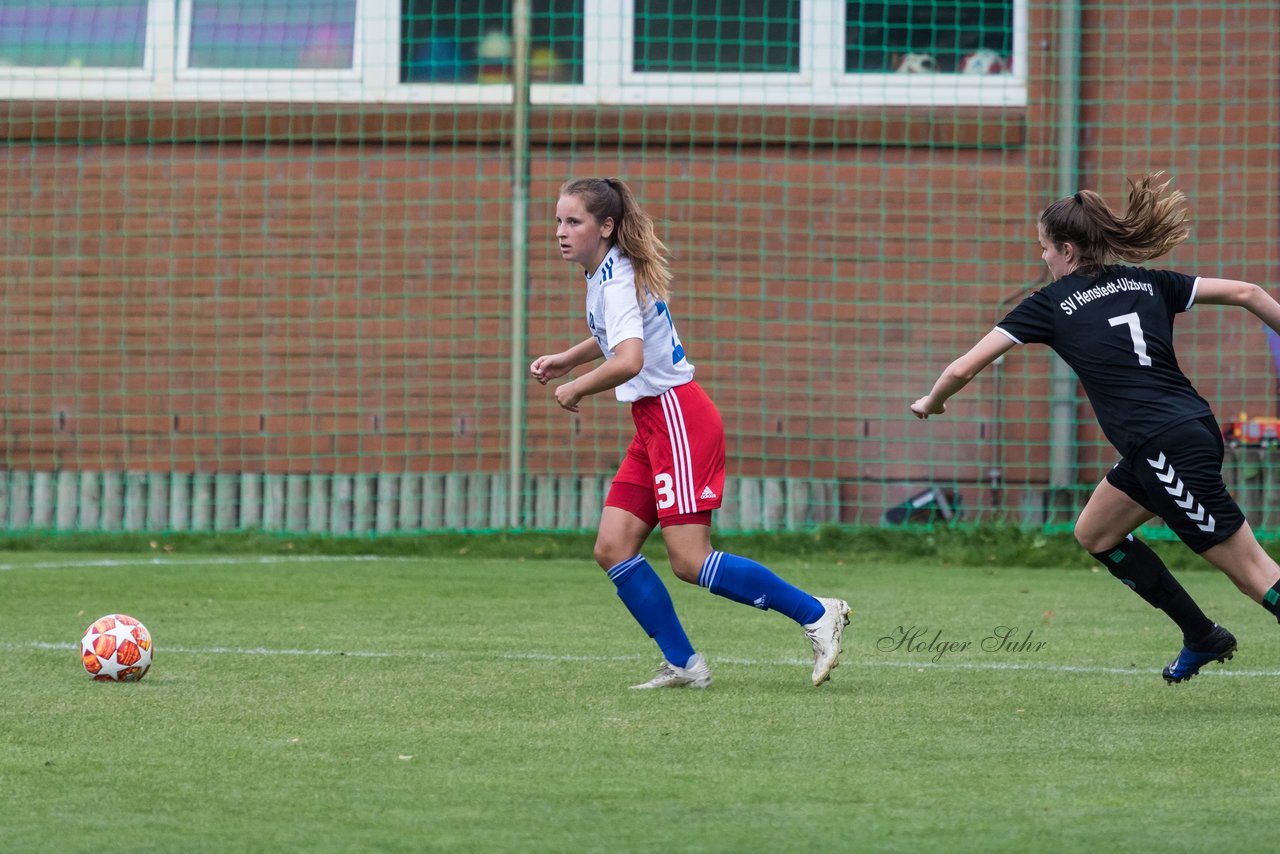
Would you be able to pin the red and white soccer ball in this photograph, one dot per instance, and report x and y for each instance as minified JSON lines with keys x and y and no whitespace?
{"x":116,"y":648}
{"x":985,"y":62}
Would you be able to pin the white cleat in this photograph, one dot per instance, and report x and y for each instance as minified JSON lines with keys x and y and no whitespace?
{"x":826,"y":636}
{"x":697,"y":675}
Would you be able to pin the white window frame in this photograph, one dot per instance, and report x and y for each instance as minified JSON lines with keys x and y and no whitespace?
{"x":608,"y":76}
{"x":92,"y":84}
{"x":943,"y":89}
{"x":250,"y":83}
{"x":648,"y":87}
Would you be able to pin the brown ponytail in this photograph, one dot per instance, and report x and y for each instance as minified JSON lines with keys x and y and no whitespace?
{"x":1155,"y":221}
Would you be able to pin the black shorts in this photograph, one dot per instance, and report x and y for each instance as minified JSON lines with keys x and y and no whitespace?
{"x":1178,"y":476}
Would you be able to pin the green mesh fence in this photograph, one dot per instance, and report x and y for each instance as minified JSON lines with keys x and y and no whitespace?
{"x":283,"y":265}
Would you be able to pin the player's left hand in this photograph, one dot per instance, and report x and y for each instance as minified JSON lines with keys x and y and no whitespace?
{"x":567,"y":397}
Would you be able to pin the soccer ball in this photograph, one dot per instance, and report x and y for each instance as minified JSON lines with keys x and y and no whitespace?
{"x":917,"y":63}
{"x":116,"y":648}
{"x":985,"y":62}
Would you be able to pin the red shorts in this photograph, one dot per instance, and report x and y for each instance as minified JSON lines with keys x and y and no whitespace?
{"x":674,"y":467}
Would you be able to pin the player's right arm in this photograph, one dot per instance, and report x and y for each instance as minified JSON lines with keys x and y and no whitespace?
{"x":1247,"y":295}
{"x":558,"y":364}
{"x":961,"y":372}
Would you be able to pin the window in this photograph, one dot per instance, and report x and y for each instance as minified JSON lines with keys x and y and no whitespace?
{"x":469,"y":41}
{"x":73,"y":33}
{"x":818,"y":52}
{"x":607,"y":52}
{"x":717,"y":36}
{"x":938,"y":36}
{"x":282,"y":34}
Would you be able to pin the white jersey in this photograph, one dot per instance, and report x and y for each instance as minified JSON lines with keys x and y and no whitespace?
{"x":614,"y":315}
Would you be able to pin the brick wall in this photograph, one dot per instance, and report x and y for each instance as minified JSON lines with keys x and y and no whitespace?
{"x":253,"y":290}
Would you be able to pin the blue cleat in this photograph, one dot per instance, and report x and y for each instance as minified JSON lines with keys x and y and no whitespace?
{"x":1220,"y":645}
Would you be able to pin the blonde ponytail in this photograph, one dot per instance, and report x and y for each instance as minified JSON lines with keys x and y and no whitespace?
{"x":633,"y":232}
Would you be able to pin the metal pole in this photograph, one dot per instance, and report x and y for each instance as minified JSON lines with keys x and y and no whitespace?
{"x":1062,"y":401}
{"x":519,"y":252}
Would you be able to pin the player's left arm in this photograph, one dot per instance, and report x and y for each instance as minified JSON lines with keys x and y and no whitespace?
{"x":1247,"y":295}
{"x":627,"y":361}
{"x":961,"y":372}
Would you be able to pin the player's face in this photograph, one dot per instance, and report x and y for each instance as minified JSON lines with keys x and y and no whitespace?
{"x":1060,"y":263}
{"x":582,"y":238}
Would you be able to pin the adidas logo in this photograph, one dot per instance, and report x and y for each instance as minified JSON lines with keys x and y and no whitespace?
{"x":707,"y":494}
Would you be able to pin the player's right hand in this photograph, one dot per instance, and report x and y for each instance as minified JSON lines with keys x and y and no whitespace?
{"x":922,"y":409}
{"x":546,"y":368}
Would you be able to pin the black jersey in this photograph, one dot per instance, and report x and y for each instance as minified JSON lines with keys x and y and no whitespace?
{"x":1115,"y":329}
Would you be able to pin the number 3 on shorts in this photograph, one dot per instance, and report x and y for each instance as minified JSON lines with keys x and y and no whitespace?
{"x":666,"y":495}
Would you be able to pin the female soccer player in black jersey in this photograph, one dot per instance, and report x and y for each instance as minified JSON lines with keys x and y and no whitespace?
{"x":1114,"y":326}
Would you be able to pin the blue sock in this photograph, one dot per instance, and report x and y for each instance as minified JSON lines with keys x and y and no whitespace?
{"x":646,"y":597}
{"x":746,"y":581}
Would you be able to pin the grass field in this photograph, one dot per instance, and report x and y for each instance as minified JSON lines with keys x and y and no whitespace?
{"x":473,"y":704}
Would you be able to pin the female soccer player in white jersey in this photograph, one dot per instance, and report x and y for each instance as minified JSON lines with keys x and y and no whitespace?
{"x":673,"y":471}
{"x":1114,"y":326}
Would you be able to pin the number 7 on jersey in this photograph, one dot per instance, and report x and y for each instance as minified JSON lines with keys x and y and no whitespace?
{"x":1135,"y":332}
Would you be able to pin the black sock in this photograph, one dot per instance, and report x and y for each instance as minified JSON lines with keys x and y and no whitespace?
{"x":1141,"y":569}
{"x":1271,"y":600}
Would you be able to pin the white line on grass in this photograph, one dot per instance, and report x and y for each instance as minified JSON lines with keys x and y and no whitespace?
{"x":919,"y":665}
{"x":198,"y":561}
{"x":1052,"y":668}
{"x":221,"y":650}
{"x":744,"y":662}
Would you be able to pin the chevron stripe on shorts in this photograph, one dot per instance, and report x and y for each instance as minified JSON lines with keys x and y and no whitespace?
{"x":1182,"y":496}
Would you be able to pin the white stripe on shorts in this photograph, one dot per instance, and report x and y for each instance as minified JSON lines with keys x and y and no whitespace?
{"x":686,"y":500}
